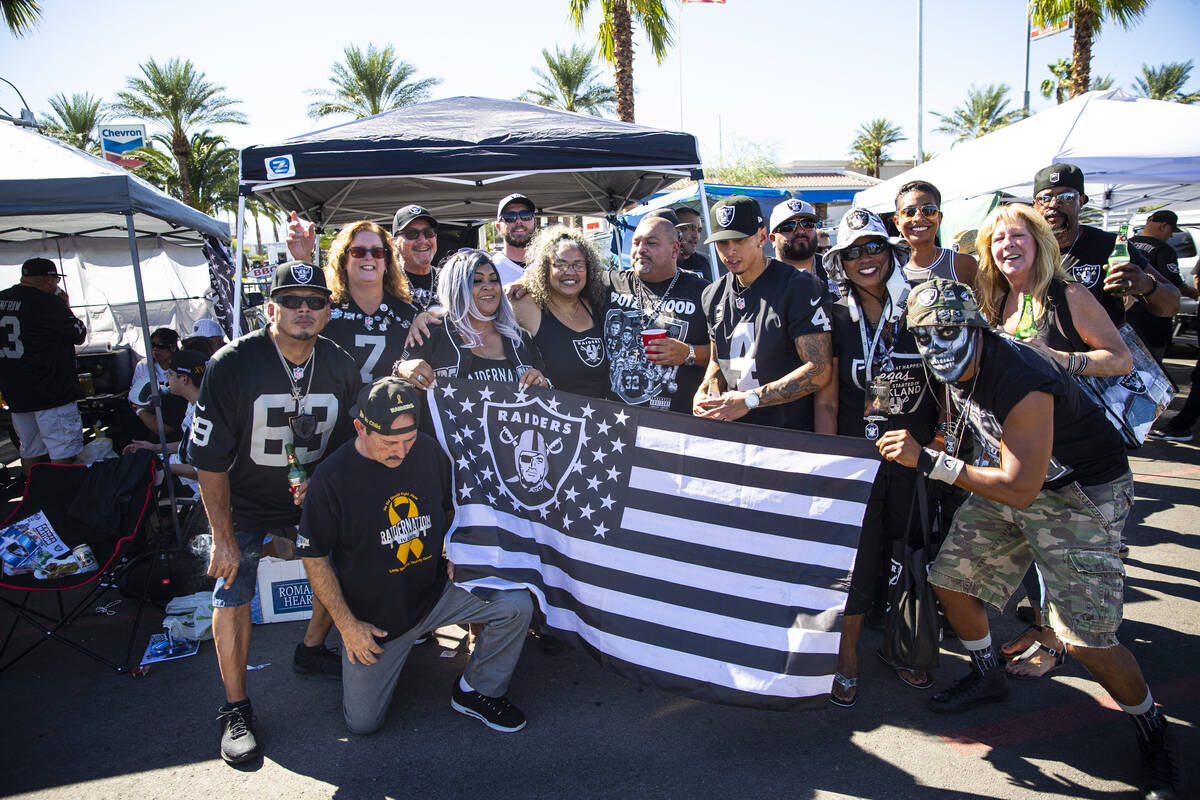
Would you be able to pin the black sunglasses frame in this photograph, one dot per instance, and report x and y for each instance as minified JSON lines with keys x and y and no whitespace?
{"x":292,"y":302}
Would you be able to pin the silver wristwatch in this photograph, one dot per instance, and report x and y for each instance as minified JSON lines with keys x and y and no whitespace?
{"x":691,"y":356}
{"x":752,"y":400}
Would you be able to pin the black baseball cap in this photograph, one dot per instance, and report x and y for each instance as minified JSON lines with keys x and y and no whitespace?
{"x":735,"y":217}
{"x":684,"y":208}
{"x":37,"y":267}
{"x":191,"y":363}
{"x":381,"y":402}
{"x":298,"y":275}
{"x":1163,"y":215}
{"x":512,"y":198}
{"x":1060,"y":174}
{"x":407,"y":215}
{"x":664,"y":213}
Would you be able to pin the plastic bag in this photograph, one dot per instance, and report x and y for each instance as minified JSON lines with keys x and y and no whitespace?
{"x":190,"y":616}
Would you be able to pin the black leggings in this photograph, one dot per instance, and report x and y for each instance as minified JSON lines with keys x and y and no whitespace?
{"x":891,"y":513}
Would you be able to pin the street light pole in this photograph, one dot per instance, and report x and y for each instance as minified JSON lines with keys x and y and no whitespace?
{"x":1028,"y":34}
{"x":920,"y":80}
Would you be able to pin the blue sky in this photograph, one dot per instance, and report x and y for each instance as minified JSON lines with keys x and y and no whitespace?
{"x":794,"y":76}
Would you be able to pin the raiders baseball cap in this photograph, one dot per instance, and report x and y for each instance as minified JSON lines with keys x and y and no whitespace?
{"x":787,"y":210}
{"x":1066,"y":175}
{"x":942,"y":301}
{"x":857,"y":223}
{"x":1169,"y":217}
{"x":407,"y":215}
{"x":37,"y":267}
{"x":381,"y":402}
{"x":664,"y":213}
{"x":191,"y":363}
{"x":735,"y":217}
{"x":512,"y":198}
{"x":298,"y":275}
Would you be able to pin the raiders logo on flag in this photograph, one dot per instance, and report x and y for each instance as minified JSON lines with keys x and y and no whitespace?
{"x":302,"y":273}
{"x":533,"y":449}
{"x":858,"y":219}
{"x":725,"y":216}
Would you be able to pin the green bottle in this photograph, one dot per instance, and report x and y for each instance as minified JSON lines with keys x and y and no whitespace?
{"x":1027,"y":325}
{"x":296,"y":473}
{"x":1120,"y":252}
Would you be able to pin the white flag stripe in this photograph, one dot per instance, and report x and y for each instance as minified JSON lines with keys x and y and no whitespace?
{"x":737,"y":540}
{"x":705,"y":623}
{"x":665,"y":569}
{"x":758,"y":456}
{"x":751,"y":498}
{"x":662,"y":659}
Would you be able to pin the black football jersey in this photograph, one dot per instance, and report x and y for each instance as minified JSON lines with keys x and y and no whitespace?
{"x":374,"y":341}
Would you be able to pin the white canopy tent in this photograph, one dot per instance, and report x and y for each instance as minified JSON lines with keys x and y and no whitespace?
{"x":1133,"y":152}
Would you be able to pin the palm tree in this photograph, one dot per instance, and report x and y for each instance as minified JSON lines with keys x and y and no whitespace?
{"x":984,"y":112}
{"x":212,"y":168}
{"x":1060,"y":86}
{"x":570,"y":83}
{"x":1166,"y":82}
{"x":870,"y":147}
{"x":75,"y":120}
{"x":20,"y":15}
{"x":177,"y":96}
{"x":616,"y":39}
{"x":1087,"y":16}
{"x":369,"y":83}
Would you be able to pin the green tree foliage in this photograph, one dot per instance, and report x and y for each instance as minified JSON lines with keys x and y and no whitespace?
{"x":1058,"y":85}
{"x":870,"y":147}
{"x":571,"y":82}
{"x":370,"y":82}
{"x":984,"y":111}
{"x":20,"y":15}
{"x":212,"y":168}
{"x":1087,"y":17}
{"x":1166,"y":82}
{"x":748,"y":164}
{"x":74,"y":120}
{"x":616,"y":38}
{"x":178,"y":97}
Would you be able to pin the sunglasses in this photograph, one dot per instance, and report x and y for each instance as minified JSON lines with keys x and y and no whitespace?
{"x":159,"y":346}
{"x":928,"y":211}
{"x":792,"y":224}
{"x":868,"y":249}
{"x":293,"y":301}
{"x":361,"y":252}
{"x":513,"y":216}
{"x":419,"y":233}
{"x":1062,"y":198}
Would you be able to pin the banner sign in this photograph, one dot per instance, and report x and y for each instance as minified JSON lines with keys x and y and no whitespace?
{"x":116,"y":140}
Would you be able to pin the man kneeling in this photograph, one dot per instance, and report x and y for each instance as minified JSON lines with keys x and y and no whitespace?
{"x":371,"y":538}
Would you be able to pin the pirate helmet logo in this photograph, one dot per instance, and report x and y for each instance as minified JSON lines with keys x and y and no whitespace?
{"x":1134,"y":383}
{"x":858,"y":219}
{"x":302,"y":273}
{"x":794,"y":206}
{"x":1087,"y":274}
{"x":533,"y":449}
{"x":725,"y":216}
{"x":1054,"y":177}
{"x":928,"y":296}
{"x":589,"y":350}
{"x":415,"y":210}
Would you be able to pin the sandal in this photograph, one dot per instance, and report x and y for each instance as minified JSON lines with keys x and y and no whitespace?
{"x":846,"y":685}
{"x":900,"y":673}
{"x":1058,"y":657}
{"x":1012,"y":655}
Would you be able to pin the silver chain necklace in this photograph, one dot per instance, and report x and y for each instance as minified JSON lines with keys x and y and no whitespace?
{"x":641,"y":290}
{"x":303,"y":424}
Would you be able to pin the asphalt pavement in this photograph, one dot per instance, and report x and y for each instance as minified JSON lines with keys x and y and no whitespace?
{"x":73,"y":729}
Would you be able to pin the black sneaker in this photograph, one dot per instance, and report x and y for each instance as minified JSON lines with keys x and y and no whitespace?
{"x":1173,"y":433}
{"x":495,"y":712}
{"x":1162,"y":769}
{"x":238,"y":743}
{"x":971,"y":690}
{"x":319,"y":660}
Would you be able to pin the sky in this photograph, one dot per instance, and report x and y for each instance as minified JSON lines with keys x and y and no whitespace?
{"x":793,"y":78}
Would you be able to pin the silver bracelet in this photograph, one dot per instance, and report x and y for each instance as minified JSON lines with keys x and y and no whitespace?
{"x":1081,"y":363}
{"x":946,"y":469}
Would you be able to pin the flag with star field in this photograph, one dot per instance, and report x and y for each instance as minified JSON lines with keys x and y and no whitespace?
{"x":709,"y":559}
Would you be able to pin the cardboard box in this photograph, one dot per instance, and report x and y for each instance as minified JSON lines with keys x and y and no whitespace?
{"x":283,"y":593}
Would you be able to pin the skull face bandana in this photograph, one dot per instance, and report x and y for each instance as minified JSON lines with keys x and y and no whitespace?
{"x":946,"y":349}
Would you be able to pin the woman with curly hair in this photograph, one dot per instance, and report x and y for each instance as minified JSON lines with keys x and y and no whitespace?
{"x":562,"y":309}
{"x":371,"y":298}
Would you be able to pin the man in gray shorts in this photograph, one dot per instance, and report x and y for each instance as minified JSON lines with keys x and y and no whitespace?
{"x":371,"y":538}
{"x":1052,"y":486}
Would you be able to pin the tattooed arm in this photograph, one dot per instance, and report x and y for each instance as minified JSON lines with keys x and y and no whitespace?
{"x":713,"y":381}
{"x":815,"y":349}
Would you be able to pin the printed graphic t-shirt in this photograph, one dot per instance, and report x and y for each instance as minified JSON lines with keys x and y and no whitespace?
{"x":1086,"y":261}
{"x":374,"y":341}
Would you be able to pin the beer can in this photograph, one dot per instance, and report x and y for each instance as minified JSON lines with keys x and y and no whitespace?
{"x":86,"y":558}
{"x":86,"y":384}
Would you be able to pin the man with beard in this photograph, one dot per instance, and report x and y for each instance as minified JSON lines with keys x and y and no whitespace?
{"x":1058,"y":195}
{"x":1152,"y":244}
{"x":516,"y":223}
{"x":689,"y":228}
{"x":768,"y":326}
{"x":794,"y":229}
{"x":281,"y":385}
{"x":1058,"y":496}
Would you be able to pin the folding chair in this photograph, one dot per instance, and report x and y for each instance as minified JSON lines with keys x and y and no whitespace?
{"x":110,"y":521}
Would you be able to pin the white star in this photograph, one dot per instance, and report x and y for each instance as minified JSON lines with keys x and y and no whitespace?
{"x":613,"y":473}
{"x":598,"y":454}
{"x":571,"y":494}
{"x":553,"y":404}
{"x":468,"y":432}
{"x":544,"y":512}
{"x":583,"y":438}
{"x":491,"y":499}
{"x":593,"y":484}
{"x":620,"y":417}
{"x":462,"y":462}
{"x":607,"y":502}
{"x":457,"y":437}
{"x":618,"y":446}
{"x":464,"y":491}
{"x":603,"y":427}
{"x":486,"y":474}
{"x":448,"y":391}
{"x":601,"y":530}
{"x":467,"y":405}
{"x":520,"y":396}
{"x":485,"y":394}
{"x":577,"y":467}
{"x":566,"y":521}
{"x":482,"y":423}
{"x":588,"y":410}
{"x":586,"y":511}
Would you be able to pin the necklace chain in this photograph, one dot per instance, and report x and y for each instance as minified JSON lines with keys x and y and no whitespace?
{"x":641,"y":290}
{"x":295,"y":373}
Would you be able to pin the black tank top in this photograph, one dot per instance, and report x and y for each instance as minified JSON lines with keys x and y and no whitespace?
{"x":1057,"y":328}
{"x":575,"y":361}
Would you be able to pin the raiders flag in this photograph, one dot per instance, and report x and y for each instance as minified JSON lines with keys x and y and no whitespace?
{"x":708,"y":559}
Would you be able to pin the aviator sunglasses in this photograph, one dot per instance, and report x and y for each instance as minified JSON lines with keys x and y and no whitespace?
{"x":294,"y":301}
{"x":792,"y":224}
{"x":928,"y":211}
{"x":860,"y":250}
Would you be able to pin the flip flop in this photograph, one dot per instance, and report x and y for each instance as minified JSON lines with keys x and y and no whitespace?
{"x":925,"y":684}
{"x":1059,"y":655}
{"x":845,"y":684}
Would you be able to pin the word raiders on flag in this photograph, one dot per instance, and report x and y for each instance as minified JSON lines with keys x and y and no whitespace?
{"x":705,"y":558}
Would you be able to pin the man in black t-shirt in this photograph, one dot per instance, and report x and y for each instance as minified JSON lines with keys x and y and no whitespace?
{"x":283,"y":384}
{"x":38,"y":334}
{"x":769,"y":328}
{"x":1152,"y":244}
{"x":372,"y":537}
{"x":690,"y":257}
{"x":1058,"y":195}
{"x":1056,"y":490}
{"x":655,"y":294}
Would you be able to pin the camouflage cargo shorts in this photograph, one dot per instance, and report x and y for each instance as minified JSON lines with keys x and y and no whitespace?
{"x":1071,"y":533}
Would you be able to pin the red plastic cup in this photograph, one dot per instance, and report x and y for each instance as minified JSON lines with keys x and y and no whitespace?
{"x":650,"y":334}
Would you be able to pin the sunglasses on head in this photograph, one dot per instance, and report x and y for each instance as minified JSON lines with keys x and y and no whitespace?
{"x":869,"y":249}
{"x":792,"y":224}
{"x":293,"y":301}
{"x":361,"y":252}
{"x":929,"y":211}
{"x":513,"y":216}
{"x":412,"y":234}
{"x":1062,"y":198}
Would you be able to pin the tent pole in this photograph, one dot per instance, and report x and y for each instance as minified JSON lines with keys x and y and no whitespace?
{"x":238,"y":268}
{"x":704,"y":226}
{"x":152,"y":371}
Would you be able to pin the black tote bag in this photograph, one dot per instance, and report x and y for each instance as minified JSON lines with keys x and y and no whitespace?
{"x":910,"y":636}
